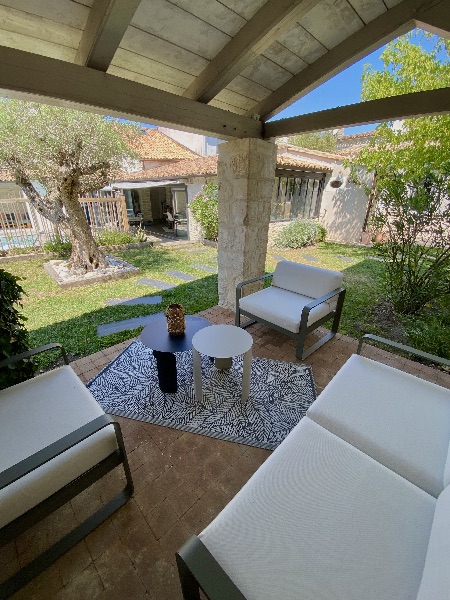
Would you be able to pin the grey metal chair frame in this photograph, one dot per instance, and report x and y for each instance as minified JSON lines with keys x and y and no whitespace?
{"x":46,"y":507}
{"x":199,"y":570}
{"x":300,"y":337}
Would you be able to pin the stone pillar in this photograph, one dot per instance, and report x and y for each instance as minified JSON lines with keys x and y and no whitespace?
{"x":246,"y":173}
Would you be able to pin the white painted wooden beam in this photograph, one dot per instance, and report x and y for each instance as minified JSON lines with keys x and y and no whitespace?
{"x":32,"y":77}
{"x":436,"y":20}
{"x":417,"y":104}
{"x":269,"y":22}
{"x":386,"y":27}
{"x":107,"y":22}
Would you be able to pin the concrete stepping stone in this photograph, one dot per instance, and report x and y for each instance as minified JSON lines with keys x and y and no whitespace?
{"x":376,"y":258}
{"x":180,"y":275}
{"x":345,"y":258}
{"x":134,"y":301}
{"x":206,"y":268}
{"x":162,"y":285}
{"x":277,"y":257}
{"x":310,"y":258}
{"x":116,"y":326}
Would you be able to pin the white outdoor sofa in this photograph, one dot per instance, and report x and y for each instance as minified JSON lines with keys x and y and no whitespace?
{"x":55,"y":441}
{"x":353,"y":505}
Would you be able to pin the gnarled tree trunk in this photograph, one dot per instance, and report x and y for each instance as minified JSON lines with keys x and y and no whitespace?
{"x":86,"y":255}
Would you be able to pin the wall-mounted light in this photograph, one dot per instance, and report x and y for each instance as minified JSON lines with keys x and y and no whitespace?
{"x":337,"y":182}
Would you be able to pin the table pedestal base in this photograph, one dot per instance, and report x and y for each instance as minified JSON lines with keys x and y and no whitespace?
{"x":166,"y":366}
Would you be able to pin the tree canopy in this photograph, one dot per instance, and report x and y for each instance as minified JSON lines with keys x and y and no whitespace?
{"x":414,"y":146}
{"x":66,"y":153}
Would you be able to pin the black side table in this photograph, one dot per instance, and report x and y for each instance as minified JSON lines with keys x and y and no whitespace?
{"x":165,"y":346}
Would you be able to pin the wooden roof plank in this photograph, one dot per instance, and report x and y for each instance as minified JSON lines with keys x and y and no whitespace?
{"x":272,"y":19}
{"x":108,"y":20}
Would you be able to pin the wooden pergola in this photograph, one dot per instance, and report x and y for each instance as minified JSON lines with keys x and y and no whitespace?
{"x":219,"y":68}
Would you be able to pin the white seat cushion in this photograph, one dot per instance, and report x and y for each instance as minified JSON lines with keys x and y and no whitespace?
{"x":283,"y":308}
{"x":435,"y":583}
{"x":321,"y":520}
{"x":306,"y":280}
{"x":399,"y":420}
{"x":36,"y":413}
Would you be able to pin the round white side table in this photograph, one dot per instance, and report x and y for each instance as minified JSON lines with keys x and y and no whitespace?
{"x":222,"y":342}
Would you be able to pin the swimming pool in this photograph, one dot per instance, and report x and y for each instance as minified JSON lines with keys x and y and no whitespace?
{"x":23,"y":240}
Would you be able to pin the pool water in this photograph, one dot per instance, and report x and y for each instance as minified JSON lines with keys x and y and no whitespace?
{"x":17,"y":241}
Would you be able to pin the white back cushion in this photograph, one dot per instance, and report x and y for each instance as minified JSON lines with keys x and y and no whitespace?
{"x":320,"y":520}
{"x":313,"y":282}
{"x":435,"y":583}
{"x":398,"y":419}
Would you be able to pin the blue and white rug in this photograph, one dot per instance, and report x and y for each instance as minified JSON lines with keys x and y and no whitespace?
{"x":280,"y":394}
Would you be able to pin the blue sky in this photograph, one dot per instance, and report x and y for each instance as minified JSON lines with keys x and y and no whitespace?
{"x":342,"y":89}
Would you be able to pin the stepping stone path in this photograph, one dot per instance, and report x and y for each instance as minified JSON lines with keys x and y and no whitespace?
{"x":162,"y":285}
{"x":345,"y":258}
{"x":134,"y":301}
{"x":180,"y":275}
{"x":310,"y":258}
{"x":116,"y":326}
{"x":206,"y":268}
{"x":375,"y":258}
{"x":278,"y":257}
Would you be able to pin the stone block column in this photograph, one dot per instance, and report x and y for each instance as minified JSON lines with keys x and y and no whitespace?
{"x":246,"y":173}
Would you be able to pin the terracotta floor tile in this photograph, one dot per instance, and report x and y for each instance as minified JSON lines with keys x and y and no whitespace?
{"x":161,"y":519}
{"x":113,"y":564}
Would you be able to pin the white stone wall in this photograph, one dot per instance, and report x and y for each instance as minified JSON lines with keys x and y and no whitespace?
{"x":343,"y":209}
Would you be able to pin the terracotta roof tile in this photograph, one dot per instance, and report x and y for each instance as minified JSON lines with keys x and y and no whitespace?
{"x":207,"y":165}
{"x":154,"y":145}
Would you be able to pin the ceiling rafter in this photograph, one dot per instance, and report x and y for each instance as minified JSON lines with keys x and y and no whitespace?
{"x":396,"y":21}
{"x":436,"y":20}
{"x":107,"y":22}
{"x":267,"y":24}
{"x":33,"y":77}
{"x":416,"y":104}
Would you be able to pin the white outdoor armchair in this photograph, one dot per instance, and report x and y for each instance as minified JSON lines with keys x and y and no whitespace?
{"x":300,"y":299}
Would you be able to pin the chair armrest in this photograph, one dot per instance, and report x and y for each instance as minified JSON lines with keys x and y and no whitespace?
{"x":241,"y":285}
{"x":43,"y":456}
{"x":368,"y":337}
{"x":307,"y":308}
{"x":17,"y":357}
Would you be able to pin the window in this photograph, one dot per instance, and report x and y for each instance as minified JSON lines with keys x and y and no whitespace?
{"x":296,"y":197}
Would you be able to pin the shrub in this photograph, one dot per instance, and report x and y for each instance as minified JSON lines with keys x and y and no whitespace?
{"x":114,"y":238}
{"x":204,"y":208}
{"x":59,"y":246}
{"x":299,"y":233}
{"x":414,"y":217}
{"x":13,"y":335}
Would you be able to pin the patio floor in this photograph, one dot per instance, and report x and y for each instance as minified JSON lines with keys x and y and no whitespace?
{"x":182,"y":481}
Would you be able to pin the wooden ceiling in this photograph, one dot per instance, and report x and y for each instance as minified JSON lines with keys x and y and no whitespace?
{"x":217,"y":67}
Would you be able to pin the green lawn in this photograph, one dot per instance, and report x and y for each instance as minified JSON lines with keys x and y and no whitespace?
{"x":71,"y":316}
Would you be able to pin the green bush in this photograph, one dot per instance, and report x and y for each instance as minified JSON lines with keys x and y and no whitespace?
{"x":204,"y":208}
{"x":430,"y":333}
{"x":300,"y":233}
{"x":13,"y":335}
{"x":114,"y":238}
{"x":59,"y":246}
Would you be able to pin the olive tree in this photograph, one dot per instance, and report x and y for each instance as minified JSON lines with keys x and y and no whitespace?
{"x":67,"y":153}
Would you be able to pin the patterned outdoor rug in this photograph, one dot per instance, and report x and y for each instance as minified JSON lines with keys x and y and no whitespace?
{"x":280,"y":394}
